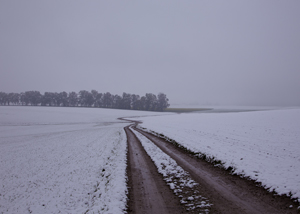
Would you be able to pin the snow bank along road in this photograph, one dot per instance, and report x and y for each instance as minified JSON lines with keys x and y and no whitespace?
{"x":212,"y":190}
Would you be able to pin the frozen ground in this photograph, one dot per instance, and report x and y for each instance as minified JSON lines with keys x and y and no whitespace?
{"x":264,"y":145}
{"x":62,"y":160}
{"x":73,"y":160}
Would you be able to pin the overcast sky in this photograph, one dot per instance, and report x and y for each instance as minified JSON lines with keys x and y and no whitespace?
{"x":195,"y":51}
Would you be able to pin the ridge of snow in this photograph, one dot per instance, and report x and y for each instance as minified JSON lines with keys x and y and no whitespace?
{"x":177,"y":178}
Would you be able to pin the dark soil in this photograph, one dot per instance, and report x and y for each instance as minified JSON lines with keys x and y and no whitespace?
{"x":148,"y":192}
{"x":229,"y":193}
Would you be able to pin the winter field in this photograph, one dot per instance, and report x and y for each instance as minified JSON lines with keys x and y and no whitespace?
{"x":262,"y":145}
{"x":73,"y":160}
{"x":63,"y":160}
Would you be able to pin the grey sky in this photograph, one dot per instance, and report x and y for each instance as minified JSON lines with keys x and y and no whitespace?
{"x":205,"y":52}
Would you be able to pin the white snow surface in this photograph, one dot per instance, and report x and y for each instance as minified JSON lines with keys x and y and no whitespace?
{"x":63,"y":160}
{"x":264,"y":145}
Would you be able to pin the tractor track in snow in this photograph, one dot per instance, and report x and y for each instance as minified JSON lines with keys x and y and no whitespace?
{"x":148,"y":192}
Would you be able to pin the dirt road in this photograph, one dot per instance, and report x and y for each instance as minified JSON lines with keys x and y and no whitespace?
{"x":149,"y":193}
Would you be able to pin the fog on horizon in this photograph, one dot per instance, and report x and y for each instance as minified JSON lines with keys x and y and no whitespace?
{"x":197,"y":52}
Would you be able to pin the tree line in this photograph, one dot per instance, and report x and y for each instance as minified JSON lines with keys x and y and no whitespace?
{"x":149,"y":102}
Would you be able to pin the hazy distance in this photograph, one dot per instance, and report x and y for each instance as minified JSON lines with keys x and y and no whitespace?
{"x":196,"y":52}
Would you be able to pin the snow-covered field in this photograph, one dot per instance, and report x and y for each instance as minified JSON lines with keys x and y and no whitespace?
{"x":63,"y":160}
{"x":264,"y":145}
{"x":73,"y":160}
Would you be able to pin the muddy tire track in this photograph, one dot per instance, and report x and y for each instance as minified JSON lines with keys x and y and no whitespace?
{"x":148,"y":193}
{"x":228,"y":193}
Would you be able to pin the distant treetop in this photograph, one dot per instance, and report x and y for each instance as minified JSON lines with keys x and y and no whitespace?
{"x":149,"y":102}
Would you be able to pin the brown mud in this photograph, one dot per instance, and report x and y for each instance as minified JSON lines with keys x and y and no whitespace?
{"x":228,"y":193}
{"x":148,"y":192}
